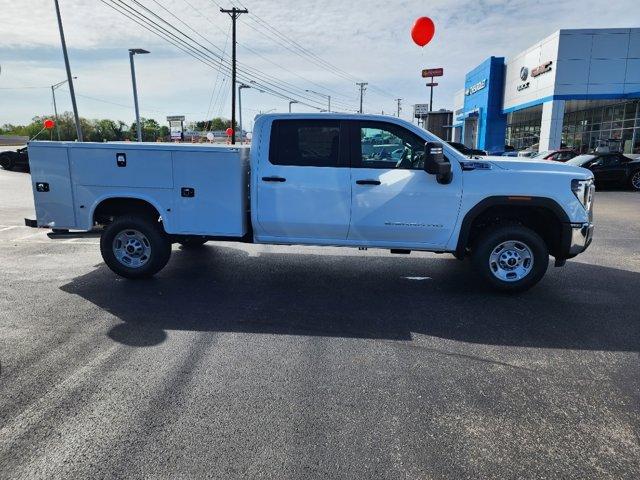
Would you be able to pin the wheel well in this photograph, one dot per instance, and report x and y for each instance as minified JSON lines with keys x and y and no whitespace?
{"x":112,"y":208}
{"x":540,"y":219}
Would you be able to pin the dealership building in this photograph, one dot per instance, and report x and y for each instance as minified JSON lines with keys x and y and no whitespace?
{"x":576,"y":88}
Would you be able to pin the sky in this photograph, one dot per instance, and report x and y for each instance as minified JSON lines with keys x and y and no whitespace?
{"x":325,"y":46}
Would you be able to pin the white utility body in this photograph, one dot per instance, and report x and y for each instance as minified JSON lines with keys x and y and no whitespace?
{"x":316,"y":179}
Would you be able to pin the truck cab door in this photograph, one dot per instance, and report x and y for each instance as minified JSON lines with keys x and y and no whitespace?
{"x":394,"y":201}
{"x":303,"y":183}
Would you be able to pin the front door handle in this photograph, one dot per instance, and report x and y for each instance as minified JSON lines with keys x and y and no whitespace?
{"x":273,"y":179}
{"x":368,"y":182}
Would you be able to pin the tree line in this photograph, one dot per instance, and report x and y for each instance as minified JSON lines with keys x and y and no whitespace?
{"x":103,"y":130}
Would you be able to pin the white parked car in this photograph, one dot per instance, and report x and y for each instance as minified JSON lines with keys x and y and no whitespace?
{"x":305,"y":180}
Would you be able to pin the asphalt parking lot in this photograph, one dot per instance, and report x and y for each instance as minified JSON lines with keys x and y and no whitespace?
{"x":243,"y":361}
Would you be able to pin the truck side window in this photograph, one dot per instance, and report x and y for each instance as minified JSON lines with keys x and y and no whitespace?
{"x":305,"y":143}
{"x":389,"y":146}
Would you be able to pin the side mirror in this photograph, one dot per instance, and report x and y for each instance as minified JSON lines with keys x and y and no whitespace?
{"x":435,"y":163}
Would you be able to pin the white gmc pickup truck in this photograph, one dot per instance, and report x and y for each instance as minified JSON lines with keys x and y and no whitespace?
{"x":316,"y":179}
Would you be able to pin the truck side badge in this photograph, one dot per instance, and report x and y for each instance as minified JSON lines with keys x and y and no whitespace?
{"x":42,"y":187}
{"x":121,"y":159}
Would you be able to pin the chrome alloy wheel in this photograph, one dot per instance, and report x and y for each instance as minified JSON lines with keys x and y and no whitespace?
{"x":635,"y":180}
{"x":511,"y":261}
{"x":131,"y":248}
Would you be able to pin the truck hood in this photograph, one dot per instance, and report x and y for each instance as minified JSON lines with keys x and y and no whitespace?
{"x":533,"y":165}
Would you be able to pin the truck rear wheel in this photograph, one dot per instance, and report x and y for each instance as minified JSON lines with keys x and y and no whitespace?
{"x":511,"y":258}
{"x":135,"y":247}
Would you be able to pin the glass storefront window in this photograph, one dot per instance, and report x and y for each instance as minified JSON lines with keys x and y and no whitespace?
{"x":608,"y":114}
{"x":615,"y":125}
{"x":630,"y":110}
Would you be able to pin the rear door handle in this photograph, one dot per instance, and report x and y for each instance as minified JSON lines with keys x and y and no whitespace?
{"x":368,"y":182}
{"x":273,"y":179}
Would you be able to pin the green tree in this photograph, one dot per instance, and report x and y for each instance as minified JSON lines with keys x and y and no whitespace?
{"x":217,"y":123}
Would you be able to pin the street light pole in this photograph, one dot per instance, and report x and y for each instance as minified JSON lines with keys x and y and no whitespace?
{"x":328,"y":97}
{"x":240,"y":87}
{"x":132,"y":52}
{"x":291,"y":102}
{"x":68,"y":68}
{"x":55,"y":106}
{"x":234,"y":13}
{"x":55,"y":110}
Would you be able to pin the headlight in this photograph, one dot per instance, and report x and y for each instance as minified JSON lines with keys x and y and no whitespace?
{"x":583,"y":190}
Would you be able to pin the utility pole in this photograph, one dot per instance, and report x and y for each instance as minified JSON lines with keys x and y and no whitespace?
{"x":69,"y":77}
{"x":399,"y":100}
{"x":132,"y":52}
{"x":234,"y":13}
{"x":363,"y":88}
{"x":240,"y":87}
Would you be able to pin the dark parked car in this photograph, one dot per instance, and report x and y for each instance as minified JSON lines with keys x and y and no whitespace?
{"x":14,"y":158}
{"x":561,"y":155}
{"x":466,"y":150}
{"x":611,"y":169}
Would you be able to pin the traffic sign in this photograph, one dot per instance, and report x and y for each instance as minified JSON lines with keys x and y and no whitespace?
{"x":432,"y":72}
{"x":432,"y":84}
{"x":420,"y":110}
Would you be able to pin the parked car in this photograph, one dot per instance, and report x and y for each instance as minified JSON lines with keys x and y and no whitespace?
{"x":469,"y":152}
{"x":561,"y":155}
{"x":611,"y":169}
{"x":527,"y":153}
{"x":511,"y":153}
{"x":307,"y":179}
{"x":14,"y":158}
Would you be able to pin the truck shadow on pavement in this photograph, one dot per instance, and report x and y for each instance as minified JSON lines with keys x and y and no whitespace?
{"x":223,"y":289}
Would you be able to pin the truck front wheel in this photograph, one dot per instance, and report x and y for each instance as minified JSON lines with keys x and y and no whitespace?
{"x":135,"y":247}
{"x":511,"y":258}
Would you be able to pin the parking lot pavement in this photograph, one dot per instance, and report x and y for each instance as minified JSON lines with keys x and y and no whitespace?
{"x":242,"y":361}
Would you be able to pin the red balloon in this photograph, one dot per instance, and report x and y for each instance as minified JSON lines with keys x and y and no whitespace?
{"x":423,"y":31}
{"x":229,"y":131}
{"x":49,"y":124}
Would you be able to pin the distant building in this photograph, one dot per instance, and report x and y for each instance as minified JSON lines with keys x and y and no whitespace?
{"x":439,"y":123}
{"x":575,"y":88}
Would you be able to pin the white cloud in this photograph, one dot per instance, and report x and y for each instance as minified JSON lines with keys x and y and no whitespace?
{"x":369,"y":40}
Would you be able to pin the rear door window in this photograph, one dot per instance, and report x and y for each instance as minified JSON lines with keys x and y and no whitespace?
{"x":307,"y":143}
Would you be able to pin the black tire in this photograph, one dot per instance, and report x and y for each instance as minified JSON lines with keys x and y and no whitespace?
{"x":156,"y":240}
{"x":633,"y":181}
{"x":6,"y":162}
{"x":534,"y":247}
{"x":193,"y":242}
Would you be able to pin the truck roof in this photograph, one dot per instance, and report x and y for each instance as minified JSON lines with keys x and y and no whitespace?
{"x":331,"y":115}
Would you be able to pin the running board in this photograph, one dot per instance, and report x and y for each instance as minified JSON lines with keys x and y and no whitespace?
{"x":62,"y":234}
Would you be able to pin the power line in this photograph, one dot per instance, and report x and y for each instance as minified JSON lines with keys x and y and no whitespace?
{"x":312,"y":55}
{"x":192,"y":50}
{"x":255,"y":52}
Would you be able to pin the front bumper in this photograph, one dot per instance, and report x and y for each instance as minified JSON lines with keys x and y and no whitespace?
{"x":581,"y":236}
